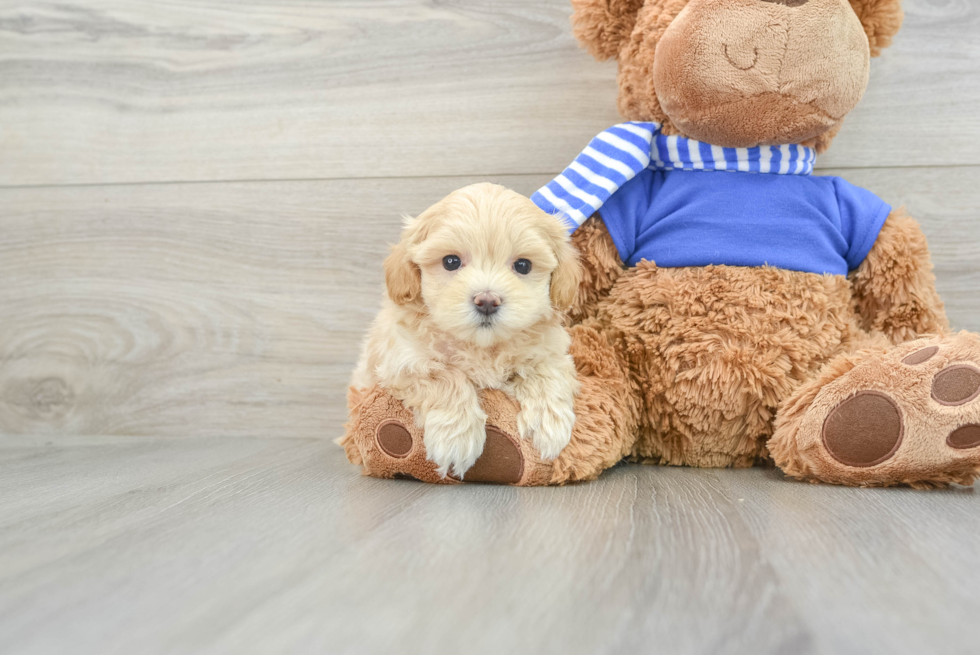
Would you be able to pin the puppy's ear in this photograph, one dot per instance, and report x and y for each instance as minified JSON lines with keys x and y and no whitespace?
{"x":402,"y":277}
{"x":567,"y":275}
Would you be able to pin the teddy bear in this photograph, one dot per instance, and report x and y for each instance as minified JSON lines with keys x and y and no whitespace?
{"x":735,"y":308}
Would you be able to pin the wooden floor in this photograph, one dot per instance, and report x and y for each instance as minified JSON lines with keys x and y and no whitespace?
{"x":249,"y":545}
{"x":195,"y":197}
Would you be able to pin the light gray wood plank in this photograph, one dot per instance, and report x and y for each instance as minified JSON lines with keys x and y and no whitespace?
{"x":193,"y":309}
{"x":844,"y":551}
{"x":122,"y":91}
{"x":104,"y":91}
{"x":237,"y":309}
{"x":255,"y":545}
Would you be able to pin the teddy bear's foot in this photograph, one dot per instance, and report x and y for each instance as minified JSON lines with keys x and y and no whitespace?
{"x":909,"y":415}
{"x":385,"y":440}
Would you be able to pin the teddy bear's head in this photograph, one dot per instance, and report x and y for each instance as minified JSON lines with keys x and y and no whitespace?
{"x":740,"y":73}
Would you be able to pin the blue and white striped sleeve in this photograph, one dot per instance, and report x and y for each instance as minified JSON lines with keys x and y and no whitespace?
{"x":612,"y":159}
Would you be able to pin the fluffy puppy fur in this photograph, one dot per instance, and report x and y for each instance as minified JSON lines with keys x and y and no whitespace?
{"x":433,"y":348}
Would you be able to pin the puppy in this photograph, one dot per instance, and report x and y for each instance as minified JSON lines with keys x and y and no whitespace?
{"x":475,"y":290}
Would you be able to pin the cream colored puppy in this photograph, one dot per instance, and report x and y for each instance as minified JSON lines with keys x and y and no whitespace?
{"x":475,"y":290}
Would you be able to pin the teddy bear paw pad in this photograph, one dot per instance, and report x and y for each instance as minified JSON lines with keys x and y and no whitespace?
{"x":501,"y":461}
{"x":864,"y":430}
{"x":909,"y":416}
{"x":394,"y":439}
{"x":956,"y":385}
{"x":920,"y":356}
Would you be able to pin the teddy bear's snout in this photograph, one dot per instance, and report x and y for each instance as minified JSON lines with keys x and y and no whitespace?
{"x":740,"y":73}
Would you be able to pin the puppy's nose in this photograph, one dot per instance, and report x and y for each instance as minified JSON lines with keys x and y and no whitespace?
{"x":486,"y":302}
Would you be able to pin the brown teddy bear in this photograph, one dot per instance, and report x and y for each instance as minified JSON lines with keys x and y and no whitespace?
{"x":734,"y":307}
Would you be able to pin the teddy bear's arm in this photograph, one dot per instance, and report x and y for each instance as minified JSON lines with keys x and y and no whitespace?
{"x":894,"y":288}
{"x":601,"y":267}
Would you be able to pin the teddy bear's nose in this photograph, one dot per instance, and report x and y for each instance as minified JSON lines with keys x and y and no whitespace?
{"x":788,"y":3}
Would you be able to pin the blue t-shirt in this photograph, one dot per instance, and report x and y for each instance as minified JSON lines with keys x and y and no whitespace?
{"x":804,"y":223}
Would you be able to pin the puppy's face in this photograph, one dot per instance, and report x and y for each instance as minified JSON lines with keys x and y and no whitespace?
{"x":485,"y":263}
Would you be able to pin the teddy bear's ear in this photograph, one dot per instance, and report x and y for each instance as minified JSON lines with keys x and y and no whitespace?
{"x":881,"y":19}
{"x":603,"y":25}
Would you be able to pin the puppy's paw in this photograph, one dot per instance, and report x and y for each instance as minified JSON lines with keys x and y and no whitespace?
{"x":547,"y":424}
{"x":451,"y":443}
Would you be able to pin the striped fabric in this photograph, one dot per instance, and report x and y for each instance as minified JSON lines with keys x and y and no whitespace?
{"x":617,"y":155}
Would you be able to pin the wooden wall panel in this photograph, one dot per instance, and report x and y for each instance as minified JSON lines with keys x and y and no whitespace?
{"x":237,"y":309}
{"x":109,"y":91}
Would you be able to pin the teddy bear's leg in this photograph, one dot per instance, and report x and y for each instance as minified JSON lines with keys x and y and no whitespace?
{"x":885,"y":416}
{"x":606,"y":408}
{"x":383,"y":438}
{"x":715,"y":349}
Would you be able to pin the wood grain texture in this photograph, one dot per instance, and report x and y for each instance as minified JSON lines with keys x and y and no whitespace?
{"x":107,"y":91}
{"x":163,"y":284}
{"x":238,"y":309}
{"x":145,"y":545}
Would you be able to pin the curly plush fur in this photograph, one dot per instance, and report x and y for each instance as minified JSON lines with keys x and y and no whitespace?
{"x":715,"y":350}
{"x":848,"y":380}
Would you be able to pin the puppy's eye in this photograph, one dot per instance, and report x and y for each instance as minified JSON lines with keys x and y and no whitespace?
{"x":522,"y":266}
{"x":451,"y":262}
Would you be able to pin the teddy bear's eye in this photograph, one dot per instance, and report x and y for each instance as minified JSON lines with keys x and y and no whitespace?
{"x":451,"y":262}
{"x":522,"y":266}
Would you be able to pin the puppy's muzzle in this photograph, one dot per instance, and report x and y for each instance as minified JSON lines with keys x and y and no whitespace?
{"x":487,"y":303}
